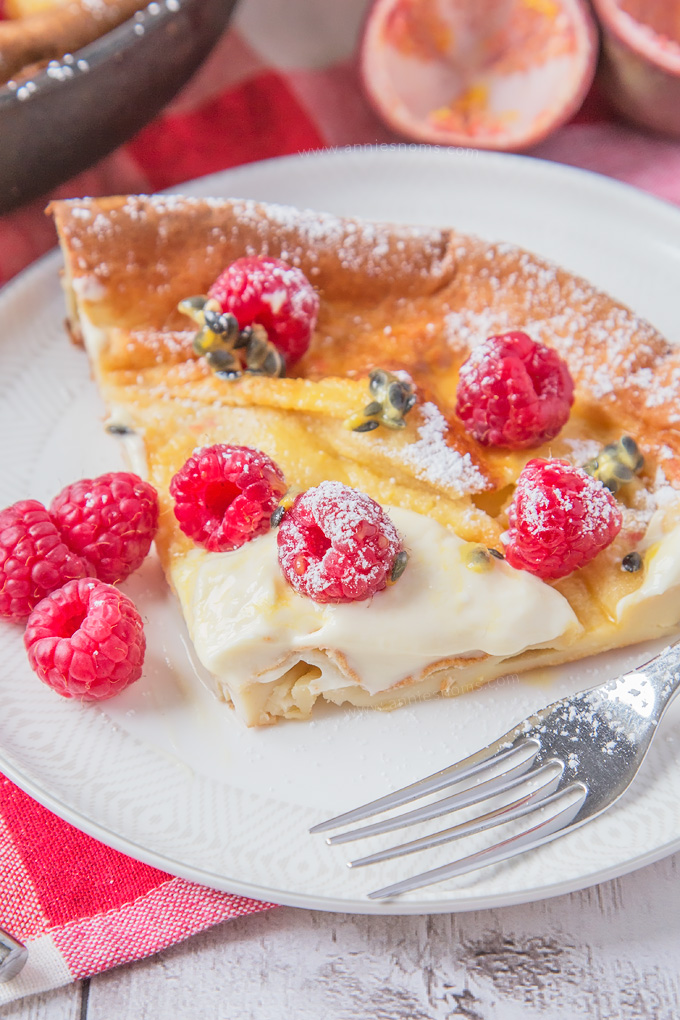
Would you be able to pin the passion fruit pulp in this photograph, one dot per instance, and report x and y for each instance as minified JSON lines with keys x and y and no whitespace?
{"x":493,"y":74}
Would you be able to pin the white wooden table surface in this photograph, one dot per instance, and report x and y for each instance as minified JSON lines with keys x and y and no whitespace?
{"x":611,"y":952}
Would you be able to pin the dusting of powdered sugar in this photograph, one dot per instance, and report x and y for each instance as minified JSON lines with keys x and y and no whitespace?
{"x":357,"y":244}
{"x":342,"y":515}
{"x":663,"y":493}
{"x":606,"y":346}
{"x":405,"y":377}
{"x":580,"y":451}
{"x":433,"y":460}
{"x":610,"y":338}
{"x":98,"y":8}
{"x":468,"y":329}
{"x":597,"y":511}
{"x":644,"y":502}
{"x":657,"y":395}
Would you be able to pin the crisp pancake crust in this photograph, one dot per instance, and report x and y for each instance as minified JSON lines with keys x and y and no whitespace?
{"x":407,"y":299}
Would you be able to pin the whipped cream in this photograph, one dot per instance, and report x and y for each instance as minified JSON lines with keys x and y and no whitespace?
{"x":655,"y":603}
{"x":248,"y":625}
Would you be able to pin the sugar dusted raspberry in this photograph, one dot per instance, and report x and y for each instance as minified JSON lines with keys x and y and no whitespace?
{"x":225,"y":495}
{"x":264,"y":290}
{"x":337,"y":544}
{"x":560,"y":519}
{"x":34,"y":560}
{"x":110,"y":521}
{"x":514,"y":392}
{"x":86,"y":640}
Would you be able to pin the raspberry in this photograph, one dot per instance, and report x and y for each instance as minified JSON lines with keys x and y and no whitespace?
{"x":86,"y":640}
{"x":514,"y":392}
{"x":34,"y":560}
{"x":110,"y":521}
{"x":277,"y":296}
{"x":224,"y":495}
{"x":337,"y":544}
{"x":560,"y":519}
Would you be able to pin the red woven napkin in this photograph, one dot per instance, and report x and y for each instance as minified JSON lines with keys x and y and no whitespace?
{"x":282,"y":81}
{"x":81,"y":907}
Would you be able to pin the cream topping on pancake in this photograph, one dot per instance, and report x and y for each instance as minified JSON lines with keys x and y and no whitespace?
{"x":658,"y":596}
{"x":245,"y":620}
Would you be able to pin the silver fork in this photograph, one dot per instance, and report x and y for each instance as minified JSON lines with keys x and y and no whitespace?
{"x":13,"y":956}
{"x":562,"y":766}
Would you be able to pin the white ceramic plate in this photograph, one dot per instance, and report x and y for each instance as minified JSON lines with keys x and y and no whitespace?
{"x":168,"y":775}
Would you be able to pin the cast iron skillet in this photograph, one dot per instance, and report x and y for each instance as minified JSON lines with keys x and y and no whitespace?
{"x":79,"y":109}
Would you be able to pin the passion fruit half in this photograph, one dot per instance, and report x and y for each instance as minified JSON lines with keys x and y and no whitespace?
{"x":640,"y":70}
{"x":493,"y":74}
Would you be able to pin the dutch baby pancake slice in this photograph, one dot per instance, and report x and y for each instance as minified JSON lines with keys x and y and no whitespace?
{"x":490,"y":551}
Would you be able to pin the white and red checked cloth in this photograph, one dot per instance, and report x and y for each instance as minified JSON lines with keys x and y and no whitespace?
{"x":282,"y":80}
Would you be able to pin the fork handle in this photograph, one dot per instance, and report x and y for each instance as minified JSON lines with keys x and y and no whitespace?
{"x":13,"y":956}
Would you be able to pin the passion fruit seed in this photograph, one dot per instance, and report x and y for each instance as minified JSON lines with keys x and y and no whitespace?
{"x":631,"y":562}
{"x":277,"y":516}
{"x":229,"y":350}
{"x":477,"y":557}
{"x":285,"y":503}
{"x":496,"y":554}
{"x":262,"y":357}
{"x":392,"y":400}
{"x":399,"y":566}
{"x":193,"y":307}
{"x":396,"y":397}
{"x":205,"y":341}
{"x":373,"y":408}
{"x":377,"y":381}
{"x":223,"y":323}
{"x":241,"y":341}
{"x":222,"y":360}
{"x":616,"y":464}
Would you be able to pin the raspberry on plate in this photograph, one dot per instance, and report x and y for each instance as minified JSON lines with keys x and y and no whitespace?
{"x":110,"y":521}
{"x":86,"y":640}
{"x":34,"y":560}
{"x":225,"y":495}
{"x":267,"y":291}
{"x":560,"y":519}
{"x":337,"y":544}
{"x":514,"y":392}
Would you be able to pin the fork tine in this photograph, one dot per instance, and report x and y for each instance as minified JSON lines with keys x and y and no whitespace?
{"x":472,"y":795}
{"x":474,"y":765}
{"x":506,"y":813}
{"x":494,"y":817}
{"x":528,"y":839}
